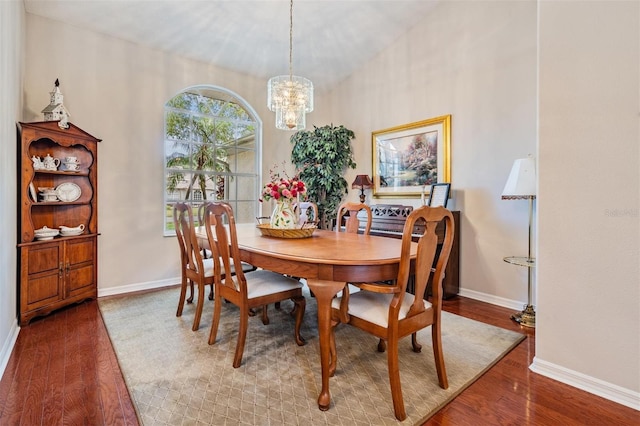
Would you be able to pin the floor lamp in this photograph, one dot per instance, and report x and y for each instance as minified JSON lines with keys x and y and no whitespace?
{"x":521,"y":185}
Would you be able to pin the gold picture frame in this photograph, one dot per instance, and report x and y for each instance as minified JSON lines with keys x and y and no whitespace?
{"x":408,"y":159}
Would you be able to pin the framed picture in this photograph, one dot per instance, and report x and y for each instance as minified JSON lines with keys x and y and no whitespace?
{"x":408,"y":159}
{"x":439,"y":194}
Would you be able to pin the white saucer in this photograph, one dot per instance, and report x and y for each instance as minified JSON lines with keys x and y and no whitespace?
{"x":71,"y":233}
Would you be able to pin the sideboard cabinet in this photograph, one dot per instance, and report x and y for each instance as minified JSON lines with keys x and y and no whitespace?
{"x":55,"y":271}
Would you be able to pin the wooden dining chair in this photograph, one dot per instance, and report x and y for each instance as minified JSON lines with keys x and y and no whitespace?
{"x":259,"y":288}
{"x":348,"y":212}
{"x":194,"y":269}
{"x":308,"y":212}
{"x":388,"y":312}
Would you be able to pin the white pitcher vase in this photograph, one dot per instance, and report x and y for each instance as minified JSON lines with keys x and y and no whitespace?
{"x":284,"y":216}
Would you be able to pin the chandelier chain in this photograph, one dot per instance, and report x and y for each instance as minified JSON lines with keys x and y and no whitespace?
{"x":291,"y":41}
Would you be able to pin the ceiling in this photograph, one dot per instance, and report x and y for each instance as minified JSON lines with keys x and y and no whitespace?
{"x":331,"y":39}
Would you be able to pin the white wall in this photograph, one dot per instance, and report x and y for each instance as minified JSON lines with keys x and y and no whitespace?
{"x":477,"y":62}
{"x":116,"y":91}
{"x":589,"y":196}
{"x":12,"y":24}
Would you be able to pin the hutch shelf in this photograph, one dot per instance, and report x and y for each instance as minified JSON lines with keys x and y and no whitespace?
{"x":60,"y":270}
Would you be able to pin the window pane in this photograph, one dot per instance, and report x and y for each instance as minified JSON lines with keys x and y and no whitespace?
{"x":244,"y":212}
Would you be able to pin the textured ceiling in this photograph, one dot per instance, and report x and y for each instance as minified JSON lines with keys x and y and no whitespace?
{"x":331,"y":38}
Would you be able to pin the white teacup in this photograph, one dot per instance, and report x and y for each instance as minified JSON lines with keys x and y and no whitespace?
{"x":71,"y":166}
{"x":71,"y":159}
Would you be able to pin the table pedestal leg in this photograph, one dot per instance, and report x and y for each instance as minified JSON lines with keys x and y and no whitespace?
{"x":324,"y":291}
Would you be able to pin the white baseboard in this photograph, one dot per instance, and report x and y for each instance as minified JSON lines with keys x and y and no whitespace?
{"x":589,"y":384}
{"x":7,"y":347}
{"x":494,"y":300}
{"x":129,"y":288}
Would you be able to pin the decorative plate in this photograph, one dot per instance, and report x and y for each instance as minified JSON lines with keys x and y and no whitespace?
{"x":305,"y":232}
{"x":68,"y":192}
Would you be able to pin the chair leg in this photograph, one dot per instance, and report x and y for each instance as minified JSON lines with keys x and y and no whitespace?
{"x":277,"y":305}
{"x":183,"y":294}
{"x":436,"y":339}
{"x":211,"y":292}
{"x":417,"y":347}
{"x":300,"y":306}
{"x":242,"y":337}
{"x":199,"y":306}
{"x":382,"y":345}
{"x":265,"y":315}
{"x":190,"y":299}
{"x":217,"y":308}
{"x":394,"y":379}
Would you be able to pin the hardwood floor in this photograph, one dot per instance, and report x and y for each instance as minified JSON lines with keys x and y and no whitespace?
{"x":63,"y":371}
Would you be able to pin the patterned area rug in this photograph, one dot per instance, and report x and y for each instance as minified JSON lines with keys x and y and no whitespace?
{"x":175,"y":378}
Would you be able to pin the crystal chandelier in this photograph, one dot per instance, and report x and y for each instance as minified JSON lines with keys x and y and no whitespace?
{"x":290,"y":96}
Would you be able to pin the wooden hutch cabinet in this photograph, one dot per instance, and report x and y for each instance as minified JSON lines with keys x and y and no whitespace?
{"x":60,"y":270}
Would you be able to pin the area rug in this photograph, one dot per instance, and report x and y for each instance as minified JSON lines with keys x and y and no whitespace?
{"x":176,"y":378}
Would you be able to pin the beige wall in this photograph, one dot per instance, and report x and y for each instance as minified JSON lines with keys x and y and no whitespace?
{"x":477,"y":62}
{"x":589,"y":234}
{"x":12,"y":27}
{"x":116,"y":91}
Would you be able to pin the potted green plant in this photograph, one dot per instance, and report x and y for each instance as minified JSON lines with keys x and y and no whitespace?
{"x":322,"y":155}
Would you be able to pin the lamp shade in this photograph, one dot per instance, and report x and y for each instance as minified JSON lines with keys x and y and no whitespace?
{"x":362,"y":182}
{"x":522,"y":180}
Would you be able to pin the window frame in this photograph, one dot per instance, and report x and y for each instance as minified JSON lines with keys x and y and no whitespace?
{"x":225,"y":95}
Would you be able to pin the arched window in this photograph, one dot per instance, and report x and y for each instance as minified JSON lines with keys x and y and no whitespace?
{"x":212,"y":141}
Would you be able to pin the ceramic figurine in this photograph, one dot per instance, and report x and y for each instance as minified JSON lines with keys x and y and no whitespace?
{"x":37,"y":163}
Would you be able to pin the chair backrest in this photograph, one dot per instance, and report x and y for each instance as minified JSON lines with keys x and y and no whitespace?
{"x":223,"y":240}
{"x":308,"y":212}
{"x":430,"y":217}
{"x":186,"y":235}
{"x":352,"y":222}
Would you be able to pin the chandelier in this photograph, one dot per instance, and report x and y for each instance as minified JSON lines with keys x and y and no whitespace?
{"x":290,"y":96}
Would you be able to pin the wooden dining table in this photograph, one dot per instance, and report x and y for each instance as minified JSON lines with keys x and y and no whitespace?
{"x":327,"y":260}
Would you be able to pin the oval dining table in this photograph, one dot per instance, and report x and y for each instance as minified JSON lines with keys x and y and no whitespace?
{"x":327,"y":260}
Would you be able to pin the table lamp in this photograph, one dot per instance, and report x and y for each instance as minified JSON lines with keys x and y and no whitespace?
{"x":363,"y":182}
{"x":521,"y":185}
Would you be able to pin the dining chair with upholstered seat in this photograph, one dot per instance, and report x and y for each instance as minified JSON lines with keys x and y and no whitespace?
{"x":259,"y":288}
{"x":348,"y":213}
{"x":194,"y":268}
{"x":388,"y":312}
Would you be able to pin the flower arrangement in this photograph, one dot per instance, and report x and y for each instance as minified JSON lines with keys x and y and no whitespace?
{"x":283,"y":188}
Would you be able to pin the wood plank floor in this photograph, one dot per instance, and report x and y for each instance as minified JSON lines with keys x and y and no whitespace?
{"x":63,"y":371}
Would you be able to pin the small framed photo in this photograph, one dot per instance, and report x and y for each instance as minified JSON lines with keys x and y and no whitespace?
{"x":439,"y":194}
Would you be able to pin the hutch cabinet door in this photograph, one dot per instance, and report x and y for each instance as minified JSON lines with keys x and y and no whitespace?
{"x":42,"y":266}
{"x":80,"y":272}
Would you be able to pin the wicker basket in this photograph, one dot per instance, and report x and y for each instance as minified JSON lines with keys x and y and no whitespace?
{"x":305,"y":232}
